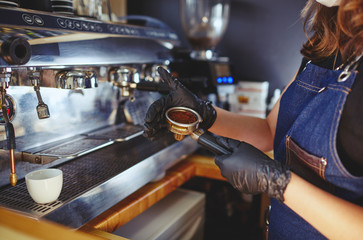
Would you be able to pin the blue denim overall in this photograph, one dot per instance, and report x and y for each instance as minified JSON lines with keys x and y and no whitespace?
{"x":305,"y":141}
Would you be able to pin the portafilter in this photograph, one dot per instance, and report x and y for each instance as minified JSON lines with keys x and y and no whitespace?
{"x":183,"y":121}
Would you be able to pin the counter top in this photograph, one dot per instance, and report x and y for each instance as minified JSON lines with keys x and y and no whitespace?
{"x":16,"y":225}
{"x":100,"y":227}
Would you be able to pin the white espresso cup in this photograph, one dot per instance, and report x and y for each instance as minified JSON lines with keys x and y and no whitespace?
{"x":44,"y":185}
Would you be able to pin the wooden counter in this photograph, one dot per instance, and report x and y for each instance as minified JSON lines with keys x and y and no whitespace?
{"x":121,"y":213}
{"x":145,"y":197}
{"x":15,"y":226}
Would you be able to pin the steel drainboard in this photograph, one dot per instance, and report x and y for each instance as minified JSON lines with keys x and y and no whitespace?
{"x":81,"y":175}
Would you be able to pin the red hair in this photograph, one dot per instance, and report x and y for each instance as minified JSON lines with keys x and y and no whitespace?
{"x":333,"y":29}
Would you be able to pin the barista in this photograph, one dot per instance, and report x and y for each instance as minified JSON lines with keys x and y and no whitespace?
{"x":316,"y":180}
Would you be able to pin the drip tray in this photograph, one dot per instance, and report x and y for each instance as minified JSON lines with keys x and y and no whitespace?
{"x":18,"y":198}
{"x":80,"y":144}
{"x":96,"y":181}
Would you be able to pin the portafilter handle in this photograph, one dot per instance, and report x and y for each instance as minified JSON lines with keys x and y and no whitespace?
{"x":208,"y":141}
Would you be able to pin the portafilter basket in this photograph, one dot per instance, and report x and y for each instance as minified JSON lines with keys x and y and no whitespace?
{"x":183,"y":121}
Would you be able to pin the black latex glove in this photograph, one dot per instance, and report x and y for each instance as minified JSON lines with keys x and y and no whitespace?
{"x":251,"y":171}
{"x":179,"y":96}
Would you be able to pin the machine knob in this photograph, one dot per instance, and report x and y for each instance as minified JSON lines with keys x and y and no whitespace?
{"x":16,"y":50}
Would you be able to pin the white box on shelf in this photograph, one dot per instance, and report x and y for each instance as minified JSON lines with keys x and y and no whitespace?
{"x":250,"y":98}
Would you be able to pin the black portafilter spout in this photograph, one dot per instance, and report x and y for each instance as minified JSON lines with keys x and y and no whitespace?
{"x":10,"y":138}
{"x":16,"y":50}
{"x":184,"y":121}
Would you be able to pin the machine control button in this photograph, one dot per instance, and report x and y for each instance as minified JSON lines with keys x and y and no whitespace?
{"x":85,"y":26}
{"x":61,"y":23}
{"x":77,"y":25}
{"x":111,"y":28}
{"x":38,"y":20}
{"x":135,"y":32}
{"x":28,"y":19}
{"x":69,"y":24}
{"x":99,"y":28}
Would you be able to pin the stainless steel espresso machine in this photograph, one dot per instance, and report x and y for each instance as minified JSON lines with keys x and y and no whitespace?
{"x":74,"y":92}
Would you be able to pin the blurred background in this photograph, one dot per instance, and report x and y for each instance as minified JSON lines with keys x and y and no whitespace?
{"x":263,"y":38}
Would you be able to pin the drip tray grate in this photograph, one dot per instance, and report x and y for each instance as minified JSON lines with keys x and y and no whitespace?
{"x":81,"y":144}
{"x":18,"y":196}
{"x":118,"y":134}
{"x":83,"y":174}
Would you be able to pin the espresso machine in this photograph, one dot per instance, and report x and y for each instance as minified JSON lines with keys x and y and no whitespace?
{"x":74,"y":92}
{"x":201,"y":68}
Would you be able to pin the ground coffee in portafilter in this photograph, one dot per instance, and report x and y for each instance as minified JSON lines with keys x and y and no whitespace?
{"x":182,"y":117}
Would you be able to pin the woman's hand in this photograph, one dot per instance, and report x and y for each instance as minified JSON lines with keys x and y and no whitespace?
{"x":179,"y":96}
{"x":251,"y":171}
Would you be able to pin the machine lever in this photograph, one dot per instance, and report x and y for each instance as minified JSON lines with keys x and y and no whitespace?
{"x":42,"y":108}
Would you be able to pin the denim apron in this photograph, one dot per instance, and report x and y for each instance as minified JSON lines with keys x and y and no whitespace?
{"x":305,"y":141}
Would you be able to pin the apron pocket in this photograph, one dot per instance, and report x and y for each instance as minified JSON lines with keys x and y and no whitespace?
{"x":306,"y":165}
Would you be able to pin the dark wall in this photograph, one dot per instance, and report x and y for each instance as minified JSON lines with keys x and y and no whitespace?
{"x":263,"y":38}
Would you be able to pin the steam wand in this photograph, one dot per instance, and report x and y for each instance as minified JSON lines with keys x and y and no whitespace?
{"x":10,"y":136}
